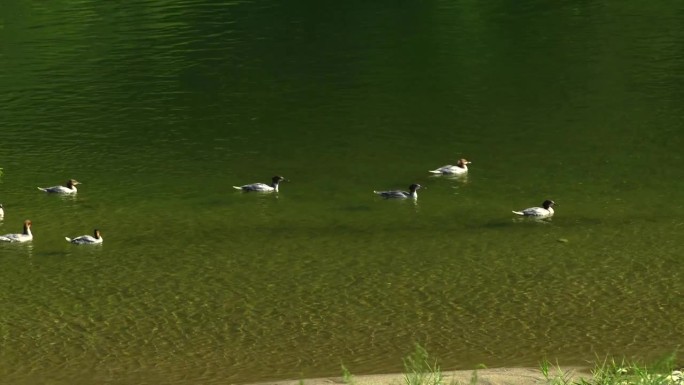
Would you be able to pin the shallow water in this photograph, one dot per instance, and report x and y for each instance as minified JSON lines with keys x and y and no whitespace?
{"x":159,"y":108}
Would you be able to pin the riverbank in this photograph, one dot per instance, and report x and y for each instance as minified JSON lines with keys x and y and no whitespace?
{"x":497,"y":376}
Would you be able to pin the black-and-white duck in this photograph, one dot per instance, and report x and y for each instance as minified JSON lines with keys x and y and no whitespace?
{"x":262,"y":187}
{"x":538,"y":212}
{"x":412,"y":193}
{"x":86,"y":239}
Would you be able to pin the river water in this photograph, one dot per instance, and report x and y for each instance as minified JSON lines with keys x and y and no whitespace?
{"x":160,"y":107}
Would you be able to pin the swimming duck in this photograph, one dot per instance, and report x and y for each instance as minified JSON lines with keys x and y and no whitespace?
{"x":86,"y":239}
{"x":2,"y":211}
{"x":69,"y":188}
{"x":461,"y":167}
{"x":262,"y":187}
{"x":412,"y":193}
{"x":25,"y":236}
{"x":538,"y":212}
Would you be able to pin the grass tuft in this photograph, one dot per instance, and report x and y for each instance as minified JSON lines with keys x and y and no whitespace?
{"x":420,"y":370}
{"x":347,"y":377}
{"x":612,"y":372}
{"x":559,"y":378}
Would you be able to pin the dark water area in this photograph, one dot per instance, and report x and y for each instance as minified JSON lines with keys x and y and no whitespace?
{"x":160,"y":107}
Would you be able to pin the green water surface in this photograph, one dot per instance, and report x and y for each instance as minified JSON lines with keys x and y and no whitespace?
{"x":160,"y":107}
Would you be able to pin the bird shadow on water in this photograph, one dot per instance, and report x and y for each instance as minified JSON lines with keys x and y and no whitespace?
{"x":531,"y":221}
{"x":53,"y":254}
{"x":356,"y":208}
{"x":504,"y":223}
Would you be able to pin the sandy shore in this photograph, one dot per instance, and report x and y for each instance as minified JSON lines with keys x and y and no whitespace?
{"x":499,"y":376}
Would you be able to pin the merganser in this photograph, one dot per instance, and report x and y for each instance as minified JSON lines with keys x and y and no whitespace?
{"x":70,"y":188}
{"x":538,"y":212}
{"x":86,"y":239}
{"x":23,"y":237}
{"x":460,"y":168}
{"x":412,"y":193}
{"x":262,"y":187}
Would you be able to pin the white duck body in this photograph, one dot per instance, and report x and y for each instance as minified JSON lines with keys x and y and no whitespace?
{"x":262,"y":187}
{"x":460,"y":168}
{"x":2,"y":211}
{"x":69,"y":188}
{"x":398,"y":194}
{"x":86,"y":239}
{"x":25,"y":236}
{"x":538,"y":212}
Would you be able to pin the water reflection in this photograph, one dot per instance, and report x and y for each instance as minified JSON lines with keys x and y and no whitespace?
{"x":531,"y":219}
{"x":257,"y":205}
{"x":462,"y":178}
{"x":26,"y":248}
{"x":63,"y":197}
{"x":87,"y":249}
